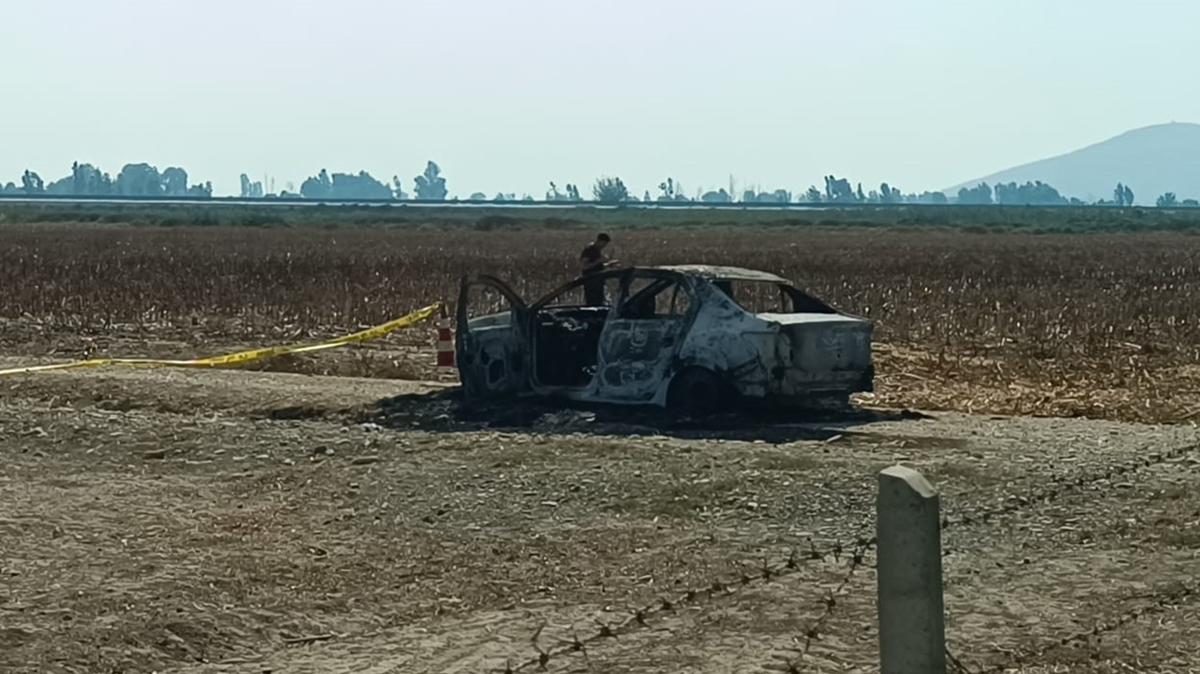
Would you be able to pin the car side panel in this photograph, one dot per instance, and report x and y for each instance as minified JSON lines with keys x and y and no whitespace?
{"x":731,"y":342}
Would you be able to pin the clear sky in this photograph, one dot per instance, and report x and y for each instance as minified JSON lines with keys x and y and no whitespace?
{"x":509,"y":94}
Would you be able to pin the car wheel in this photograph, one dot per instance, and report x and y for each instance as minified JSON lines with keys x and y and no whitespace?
{"x":695,"y":392}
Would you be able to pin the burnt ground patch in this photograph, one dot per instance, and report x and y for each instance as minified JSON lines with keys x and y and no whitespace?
{"x":447,"y":410}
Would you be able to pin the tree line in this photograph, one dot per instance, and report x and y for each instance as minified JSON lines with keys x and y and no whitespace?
{"x":144,"y":180}
{"x":134,"y":180}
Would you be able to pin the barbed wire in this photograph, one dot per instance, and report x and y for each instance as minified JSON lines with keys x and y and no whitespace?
{"x":1065,"y":484}
{"x":1062,"y":485}
{"x":727,"y":585}
{"x":718,"y":588}
{"x":1181,"y":593}
{"x":813,"y":632}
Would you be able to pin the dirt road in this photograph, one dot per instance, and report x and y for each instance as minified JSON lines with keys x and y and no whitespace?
{"x":249,"y":522}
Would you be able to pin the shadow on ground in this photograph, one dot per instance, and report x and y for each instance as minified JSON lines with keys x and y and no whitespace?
{"x":446,"y":411}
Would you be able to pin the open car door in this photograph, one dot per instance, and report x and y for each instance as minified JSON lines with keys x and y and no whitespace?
{"x":491,"y":347}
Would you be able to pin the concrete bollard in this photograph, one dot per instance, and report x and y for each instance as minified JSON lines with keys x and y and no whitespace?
{"x":912,"y":637}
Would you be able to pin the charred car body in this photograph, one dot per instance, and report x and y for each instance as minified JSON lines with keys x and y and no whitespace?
{"x":689,"y":337}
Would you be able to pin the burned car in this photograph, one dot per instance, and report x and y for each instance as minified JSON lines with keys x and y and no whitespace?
{"x":692,"y":338}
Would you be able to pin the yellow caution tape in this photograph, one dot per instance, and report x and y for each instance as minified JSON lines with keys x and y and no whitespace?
{"x":416,"y":317}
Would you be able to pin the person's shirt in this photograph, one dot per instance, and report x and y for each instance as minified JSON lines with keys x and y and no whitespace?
{"x":593,"y":259}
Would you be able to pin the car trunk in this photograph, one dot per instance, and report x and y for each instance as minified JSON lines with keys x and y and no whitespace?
{"x":828,"y":352}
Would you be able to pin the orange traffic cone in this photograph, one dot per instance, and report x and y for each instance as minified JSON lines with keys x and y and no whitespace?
{"x":445,"y":343}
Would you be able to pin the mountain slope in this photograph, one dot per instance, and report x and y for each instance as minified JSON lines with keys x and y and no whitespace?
{"x":1151,"y":160}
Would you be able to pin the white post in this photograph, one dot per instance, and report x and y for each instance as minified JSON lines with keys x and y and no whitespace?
{"x":912,"y":637}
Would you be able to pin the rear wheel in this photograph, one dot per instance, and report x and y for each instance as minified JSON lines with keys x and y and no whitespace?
{"x":696,"y":392}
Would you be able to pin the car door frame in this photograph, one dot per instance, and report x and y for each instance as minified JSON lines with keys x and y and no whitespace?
{"x":609,"y":367}
{"x":574,"y":392}
{"x":475,"y":354}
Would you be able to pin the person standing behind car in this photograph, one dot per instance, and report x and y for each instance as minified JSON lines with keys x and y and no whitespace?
{"x":591,"y":262}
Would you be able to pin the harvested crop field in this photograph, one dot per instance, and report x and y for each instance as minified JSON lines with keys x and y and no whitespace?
{"x":341,"y":513}
{"x":1102,"y":326}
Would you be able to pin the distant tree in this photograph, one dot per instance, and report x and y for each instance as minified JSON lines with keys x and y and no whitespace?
{"x":87,"y":180}
{"x":930,"y":198}
{"x":776,"y":197}
{"x":1190,"y":203}
{"x":838,"y":190}
{"x":571,"y":193}
{"x":317,"y":187}
{"x":749,"y":196}
{"x":645,"y":197}
{"x":251,"y":190}
{"x":32,"y":183}
{"x":62,"y":187}
{"x":1128,"y":196}
{"x":978,"y":195}
{"x":357,"y":186}
{"x":139,"y":180}
{"x":174,"y":182}
{"x":859,"y":193}
{"x":1034,"y":193}
{"x":1119,"y":195}
{"x":10,"y":188}
{"x":478,"y":196}
{"x":203,"y":191}
{"x":611,"y":191}
{"x":718,"y":197}
{"x":430,"y":184}
{"x":671,"y":190}
{"x":78,"y":181}
{"x":889,"y":194}
{"x":1167,"y":200}
{"x":813,"y":195}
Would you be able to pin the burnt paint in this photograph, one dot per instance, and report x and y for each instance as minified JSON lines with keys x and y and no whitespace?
{"x":758,"y":357}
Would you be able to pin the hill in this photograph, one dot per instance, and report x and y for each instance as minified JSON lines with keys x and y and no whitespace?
{"x":1151,"y":160}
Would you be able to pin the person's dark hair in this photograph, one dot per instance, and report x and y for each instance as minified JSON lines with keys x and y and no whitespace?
{"x":603,"y":237}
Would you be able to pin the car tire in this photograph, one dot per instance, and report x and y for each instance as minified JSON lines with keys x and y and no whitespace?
{"x":696,"y":392}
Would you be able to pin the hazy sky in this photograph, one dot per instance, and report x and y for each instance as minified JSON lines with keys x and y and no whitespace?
{"x":509,"y":94}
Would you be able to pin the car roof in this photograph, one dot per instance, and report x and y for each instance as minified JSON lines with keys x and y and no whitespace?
{"x":720,"y":273}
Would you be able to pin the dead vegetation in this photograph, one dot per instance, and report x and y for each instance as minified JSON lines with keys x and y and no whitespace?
{"x":1069,"y":325}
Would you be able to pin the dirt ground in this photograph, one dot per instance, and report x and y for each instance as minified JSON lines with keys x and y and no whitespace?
{"x":235,"y":521}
